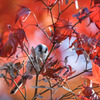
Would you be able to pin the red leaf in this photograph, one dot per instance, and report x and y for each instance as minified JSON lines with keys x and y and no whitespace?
{"x":51,"y":72}
{"x":96,"y":74}
{"x":50,"y":69}
{"x":62,"y":31}
{"x":95,"y":15}
{"x":10,"y":46}
{"x":22,"y":14}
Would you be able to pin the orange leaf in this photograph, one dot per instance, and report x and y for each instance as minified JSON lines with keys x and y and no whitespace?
{"x":95,"y":15}
{"x":96,"y":74}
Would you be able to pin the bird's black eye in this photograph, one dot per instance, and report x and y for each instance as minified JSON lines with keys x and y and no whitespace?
{"x":45,"y":50}
{"x":40,"y":48}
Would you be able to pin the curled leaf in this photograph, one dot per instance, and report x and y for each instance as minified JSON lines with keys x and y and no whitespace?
{"x":22,"y":14}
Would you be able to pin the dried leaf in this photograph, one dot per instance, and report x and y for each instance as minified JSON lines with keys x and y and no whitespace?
{"x":42,"y":87}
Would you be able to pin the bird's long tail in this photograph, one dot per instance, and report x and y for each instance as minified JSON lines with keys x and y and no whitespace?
{"x":19,"y":84}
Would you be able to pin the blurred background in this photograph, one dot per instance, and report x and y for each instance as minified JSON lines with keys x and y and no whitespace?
{"x":8,"y":11}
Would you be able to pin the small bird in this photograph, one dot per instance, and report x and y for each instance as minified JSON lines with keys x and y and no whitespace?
{"x":38,"y":56}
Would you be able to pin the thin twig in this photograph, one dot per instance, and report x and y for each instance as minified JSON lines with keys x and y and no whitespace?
{"x":64,"y":10}
{"x":45,"y":4}
{"x":81,"y":20}
{"x":25,"y":92}
{"x":52,"y":18}
{"x":48,"y":79}
{"x":36,"y":89}
{"x":69,"y":93}
{"x":43,"y":32}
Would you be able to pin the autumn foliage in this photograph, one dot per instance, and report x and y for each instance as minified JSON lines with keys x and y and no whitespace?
{"x":54,"y":70}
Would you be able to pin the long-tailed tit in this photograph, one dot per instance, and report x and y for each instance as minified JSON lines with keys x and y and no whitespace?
{"x":37,"y":56}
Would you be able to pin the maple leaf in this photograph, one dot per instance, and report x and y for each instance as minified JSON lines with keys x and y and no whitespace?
{"x":96,"y":74}
{"x":95,"y":15}
{"x":50,"y":69}
{"x":51,"y":72}
{"x":62,"y":31}
{"x":22,"y":14}
{"x":16,"y":37}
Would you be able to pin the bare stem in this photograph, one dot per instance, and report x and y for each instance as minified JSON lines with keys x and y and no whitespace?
{"x":52,"y":17}
{"x":69,"y":93}
{"x":64,"y":10}
{"x":43,"y":32}
{"x":36,"y":89}
{"x":81,"y":20}
{"x":50,"y":87}
{"x":25,"y":92}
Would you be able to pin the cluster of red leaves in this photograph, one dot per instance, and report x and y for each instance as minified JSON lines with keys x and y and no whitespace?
{"x":88,"y":46}
{"x":88,"y":93}
{"x":17,"y":35}
{"x":93,"y":14}
{"x":62,"y":31}
{"x":52,"y":70}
